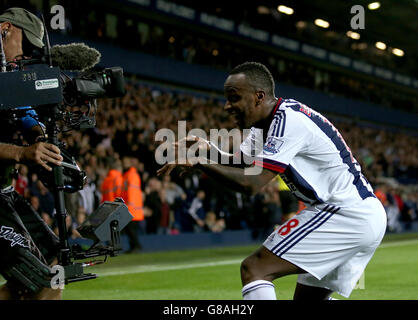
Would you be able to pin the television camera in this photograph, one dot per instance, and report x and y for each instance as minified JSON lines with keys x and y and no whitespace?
{"x":42,"y":85}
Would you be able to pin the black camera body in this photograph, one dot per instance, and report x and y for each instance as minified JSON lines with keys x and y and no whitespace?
{"x":40,"y":85}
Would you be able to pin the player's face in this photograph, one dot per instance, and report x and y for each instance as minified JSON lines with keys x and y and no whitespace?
{"x":240,"y":100}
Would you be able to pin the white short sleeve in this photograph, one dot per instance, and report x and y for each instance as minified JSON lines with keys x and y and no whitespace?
{"x":287,"y":136}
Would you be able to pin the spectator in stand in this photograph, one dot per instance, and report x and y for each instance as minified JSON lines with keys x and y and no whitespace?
{"x":409,"y":212}
{"x":34,"y":201}
{"x":153,"y":203}
{"x":22,"y":180}
{"x":132,"y":195}
{"x":265,"y":211}
{"x":111,"y":187}
{"x":80,"y":217}
{"x":89,"y":196}
{"x":165,"y":220}
{"x":172,"y":191}
{"x":213,"y":223}
{"x":71,"y":203}
{"x":46,"y":199}
{"x":393,"y":215}
{"x":195,"y":218}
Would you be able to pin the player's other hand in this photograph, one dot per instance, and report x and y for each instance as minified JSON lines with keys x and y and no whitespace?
{"x":41,"y":153}
{"x":199,"y":145}
{"x":189,"y":141}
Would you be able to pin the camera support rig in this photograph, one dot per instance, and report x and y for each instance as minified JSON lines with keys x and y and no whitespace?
{"x":58,"y":188}
{"x":103,"y":225}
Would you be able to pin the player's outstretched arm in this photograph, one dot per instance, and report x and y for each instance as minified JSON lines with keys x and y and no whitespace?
{"x":232,"y":177}
{"x":237,"y":178}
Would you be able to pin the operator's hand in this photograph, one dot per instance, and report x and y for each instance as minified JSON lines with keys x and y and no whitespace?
{"x":41,"y":153}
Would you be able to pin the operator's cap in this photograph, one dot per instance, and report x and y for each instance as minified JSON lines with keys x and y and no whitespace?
{"x":30,"y":24}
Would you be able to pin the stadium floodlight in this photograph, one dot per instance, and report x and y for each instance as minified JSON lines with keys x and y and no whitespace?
{"x":285,"y":9}
{"x":398,"y":52}
{"x":380,"y":45}
{"x":322,"y":23}
{"x":374,"y":5}
{"x":353,"y":35}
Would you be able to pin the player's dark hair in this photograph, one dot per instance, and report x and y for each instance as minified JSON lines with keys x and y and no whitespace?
{"x":258,"y":75}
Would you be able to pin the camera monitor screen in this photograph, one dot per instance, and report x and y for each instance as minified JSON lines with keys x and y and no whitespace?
{"x":98,"y":225}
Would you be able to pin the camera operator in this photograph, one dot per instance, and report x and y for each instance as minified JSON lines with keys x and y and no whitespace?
{"x":21,"y":228}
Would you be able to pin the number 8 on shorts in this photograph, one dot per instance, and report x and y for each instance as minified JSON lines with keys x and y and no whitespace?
{"x":285,"y":229}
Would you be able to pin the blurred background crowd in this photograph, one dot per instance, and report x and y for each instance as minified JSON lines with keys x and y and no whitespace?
{"x":194,"y":47}
{"x":124,"y":137}
{"x":126,"y":26}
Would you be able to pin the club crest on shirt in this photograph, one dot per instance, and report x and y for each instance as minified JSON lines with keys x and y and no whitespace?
{"x":272,"y":145}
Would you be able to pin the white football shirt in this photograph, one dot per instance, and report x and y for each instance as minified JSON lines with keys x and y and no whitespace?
{"x":310,"y":155}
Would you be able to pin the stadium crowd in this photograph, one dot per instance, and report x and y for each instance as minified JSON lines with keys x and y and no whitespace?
{"x":144,"y":34}
{"x":126,"y":127}
{"x":194,"y":47}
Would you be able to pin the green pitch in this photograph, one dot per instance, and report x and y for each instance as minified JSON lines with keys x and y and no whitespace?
{"x":213,"y":274}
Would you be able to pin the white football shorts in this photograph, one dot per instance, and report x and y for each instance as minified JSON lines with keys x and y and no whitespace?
{"x":332,"y":244}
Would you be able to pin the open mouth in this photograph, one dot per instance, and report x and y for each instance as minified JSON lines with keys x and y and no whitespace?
{"x":235,"y":116}
{"x":234,"y":113}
